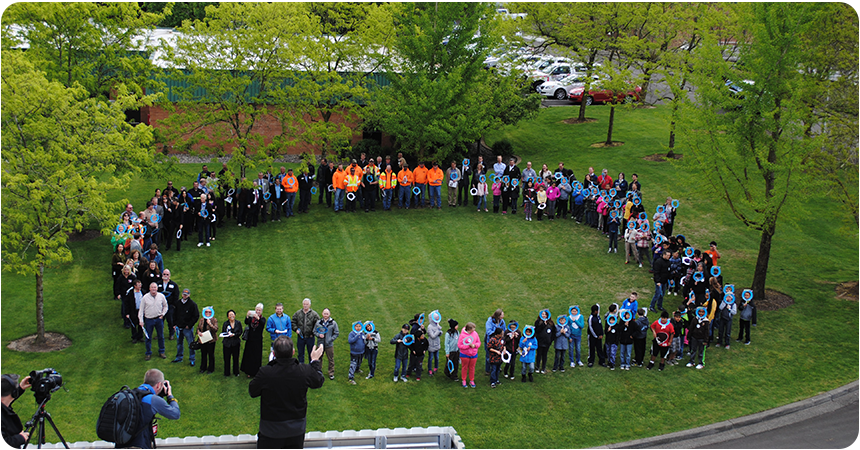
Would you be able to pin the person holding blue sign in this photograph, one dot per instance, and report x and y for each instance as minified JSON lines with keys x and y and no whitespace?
{"x":357,"y":345}
{"x":291,"y":186}
{"x":497,"y":320}
{"x":497,"y":193}
{"x":527,"y":349}
{"x":481,"y":190}
{"x":728,"y":309}
{"x":468,"y":343}
{"x":561,"y":341}
{"x":419,"y":184}
{"x":401,"y":354}
{"x":371,"y":184}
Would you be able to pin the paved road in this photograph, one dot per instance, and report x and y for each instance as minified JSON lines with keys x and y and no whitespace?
{"x":836,"y":429}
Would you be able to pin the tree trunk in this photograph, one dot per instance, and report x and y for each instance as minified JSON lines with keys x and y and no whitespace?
{"x":582,"y":107}
{"x":40,"y":314}
{"x":760,"y":274}
{"x":611,"y":122}
{"x":671,"y":153}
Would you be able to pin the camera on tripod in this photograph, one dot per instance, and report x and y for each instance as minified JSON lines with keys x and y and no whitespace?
{"x":44,"y":382}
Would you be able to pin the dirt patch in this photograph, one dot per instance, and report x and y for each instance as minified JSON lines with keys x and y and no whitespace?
{"x":85,"y":235}
{"x":661,"y":157}
{"x":603,"y":144}
{"x":577,"y":121}
{"x":847,"y":290}
{"x":773,"y":301}
{"x":53,"y":342}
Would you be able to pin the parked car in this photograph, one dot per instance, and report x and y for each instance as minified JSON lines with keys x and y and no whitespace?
{"x":599,"y":95}
{"x":559,"y":89}
{"x":556,"y":72}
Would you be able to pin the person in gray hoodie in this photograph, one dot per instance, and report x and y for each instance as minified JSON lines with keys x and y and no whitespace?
{"x":434,"y":334}
{"x":371,"y":349}
{"x":727,"y":312}
{"x":327,"y":337}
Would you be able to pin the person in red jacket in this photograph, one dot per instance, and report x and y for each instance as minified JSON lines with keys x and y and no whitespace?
{"x":663,"y":334}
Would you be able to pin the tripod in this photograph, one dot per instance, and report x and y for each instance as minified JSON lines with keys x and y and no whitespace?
{"x":38,"y":420}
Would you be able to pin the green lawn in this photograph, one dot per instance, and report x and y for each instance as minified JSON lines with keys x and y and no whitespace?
{"x":386,"y":267}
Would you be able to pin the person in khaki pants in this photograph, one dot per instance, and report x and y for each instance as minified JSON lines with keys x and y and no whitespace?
{"x":327,"y":337}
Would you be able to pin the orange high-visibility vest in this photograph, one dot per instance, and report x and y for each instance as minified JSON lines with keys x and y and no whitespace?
{"x":387,"y":180}
{"x":352,"y":182}
{"x":404,"y":177}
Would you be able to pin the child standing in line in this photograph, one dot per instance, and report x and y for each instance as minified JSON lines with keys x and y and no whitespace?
{"x":417,"y":351}
{"x":640,"y":334}
{"x":744,"y":322}
{"x":468,"y":343}
{"x":611,"y":338}
{"x":545,"y":335}
{"x":576,"y":324}
{"x":595,"y":338}
{"x":631,"y":303}
{"x":540,"y":198}
{"x":677,"y":349}
{"x":727,"y":312}
{"x":698,"y":335}
{"x":527,"y":349}
{"x":612,"y":228}
{"x":481,"y":186}
{"x":506,"y":196}
{"x":371,"y":349}
{"x":452,"y":352}
{"x":496,"y":345}
{"x":497,"y":194}
{"x":625,"y":340}
{"x":401,"y":353}
{"x":529,"y":199}
{"x":512,"y":342}
{"x":663,"y":334}
{"x":562,"y":341}
{"x":434,"y":341}
{"x":356,"y":349}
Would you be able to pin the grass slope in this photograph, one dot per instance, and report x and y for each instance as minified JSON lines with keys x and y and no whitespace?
{"x":388,"y":266}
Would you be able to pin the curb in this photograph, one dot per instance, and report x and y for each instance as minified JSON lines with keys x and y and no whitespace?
{"x":840,"y":396}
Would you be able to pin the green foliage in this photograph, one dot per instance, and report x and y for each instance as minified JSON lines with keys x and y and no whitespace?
{"x":61,"y":152}
{"x":95,"y":45}
{"x":441,"y":97}
{"x":179,"y":11}
{"x":503,"y":147}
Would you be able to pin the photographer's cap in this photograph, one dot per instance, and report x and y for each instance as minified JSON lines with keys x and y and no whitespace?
{"x":9,"y":384}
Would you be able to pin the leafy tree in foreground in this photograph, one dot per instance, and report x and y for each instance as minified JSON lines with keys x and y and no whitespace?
{"x":755,"y":147}
{"x":61,"y":152}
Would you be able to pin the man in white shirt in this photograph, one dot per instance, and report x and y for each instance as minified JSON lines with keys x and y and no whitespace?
{"x":153,"y":308}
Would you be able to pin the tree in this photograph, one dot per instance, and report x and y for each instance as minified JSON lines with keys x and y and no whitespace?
{"x":441,"y":97}
{"x":97,"y":45}
{"x":230,"y":70}
{"x":755,"y":145}
{"x":61,"y":151}
{"x":178,"y":12}
{"x":342,"y":45}
{"x":620,"y":82}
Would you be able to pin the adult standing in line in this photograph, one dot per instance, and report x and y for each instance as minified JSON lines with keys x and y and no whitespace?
{"x":455,"y":178}
{"x":305,"y":184}
{"x":480,"y":169}
{"x":327,"y":339}
{"x":337,"y":182}
{"x":420,"y":177}
{"x":635,"y":186}
{"x":122,"y":285}
{"x":513,"y":172}
{"x":131,"y":301}
{"x":185,"y":318}
{"x":529,"y":172}
{"x":499,"y":166}
{"x":303,"y":322}
{"x":404,"y":180}
{"x":232,"y":330}
{"x":661,"y":277}
{"x":463,"y":187}
{"x":388,"y":183}
{"x":324,"y":180}
{"x":371,"y":178}
{"x":604,"y":181}
{"x":208,"y":323}
{"x":282,"y":386}
{"x":262,"y":183}
{"x":279,"y":323}
{"x":171,"y":293}
{"x":291,"y":186}
{"x":497,"y":320}
{"x":252,"y":359}
{"x":153,"y":307}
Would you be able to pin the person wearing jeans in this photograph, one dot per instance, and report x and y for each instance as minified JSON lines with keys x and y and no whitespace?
{"x":661,"y":277}
{"x":577,"y":323}
{"x":185,"y":318}
{"x":153,"y":308}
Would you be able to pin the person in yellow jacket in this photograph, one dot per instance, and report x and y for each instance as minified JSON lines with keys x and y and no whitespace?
{"x":435,"y":177}
{"x":291,"y":186}
{"x":404,"y":179}
{"x":337,"y":182}
{"x":371,"y":182}
{"x":420,"y":176}
{"x":360,"y":172}
{"x":353,"y":182}
{"x":387,"y":182}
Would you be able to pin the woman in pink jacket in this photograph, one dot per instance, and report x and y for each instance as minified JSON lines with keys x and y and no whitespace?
{"x":468,"y":344}
{"x":602,"y":212}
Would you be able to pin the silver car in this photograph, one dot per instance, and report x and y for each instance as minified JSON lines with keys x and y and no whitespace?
{"x":559,"y":89}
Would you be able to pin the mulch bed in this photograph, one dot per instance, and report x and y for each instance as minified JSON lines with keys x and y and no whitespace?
{"x":661,"y":157}
{"x":575,"y":121}
{"x":85,"y":235}
{"x":847,"y":290}
{"x":603,"y":144}
{"x":53,"y":342}
{"x":773,"y":300}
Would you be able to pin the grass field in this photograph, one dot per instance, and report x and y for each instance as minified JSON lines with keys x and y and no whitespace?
{"x":386,"y":267}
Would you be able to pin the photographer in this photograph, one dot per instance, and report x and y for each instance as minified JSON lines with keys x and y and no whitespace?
{"x":153,"y":403}
{"x":13,"y":431}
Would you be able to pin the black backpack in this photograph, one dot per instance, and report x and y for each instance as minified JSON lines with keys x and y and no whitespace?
{"x":120,"y":419}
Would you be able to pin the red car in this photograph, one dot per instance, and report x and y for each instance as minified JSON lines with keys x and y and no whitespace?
{"x":600,"y":95}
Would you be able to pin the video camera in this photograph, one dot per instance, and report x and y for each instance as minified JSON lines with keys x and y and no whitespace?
{"x":44,"y":382}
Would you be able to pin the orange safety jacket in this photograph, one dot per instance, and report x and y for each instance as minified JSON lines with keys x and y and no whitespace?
{"x":435,"y":176}
{"x":358,"y":170}
{"x":404,"y":177}
{"x":420,"y":174}
{"x":337,"y":179}
{"x":387,"y":180}
{"x":294,"y":187}
{"x":352,"y":182}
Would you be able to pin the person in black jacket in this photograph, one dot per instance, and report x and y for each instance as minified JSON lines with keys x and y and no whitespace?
{"x":463,"y":187}
{"x":514,"y":172}
{"x":282,"y":386}
{"x":545,"y":335}
{"x":13,"y":431}
{"x":171,"y":293}
{"x":595,"y":338}
{"x":661,"y":278}
{"x":640,"y":333}
{"x":324,"y":173}
{"x":232,"y":331}
{"x":185,"y":316}
{"x":305,"y":184}
{"x":121,"y":285}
